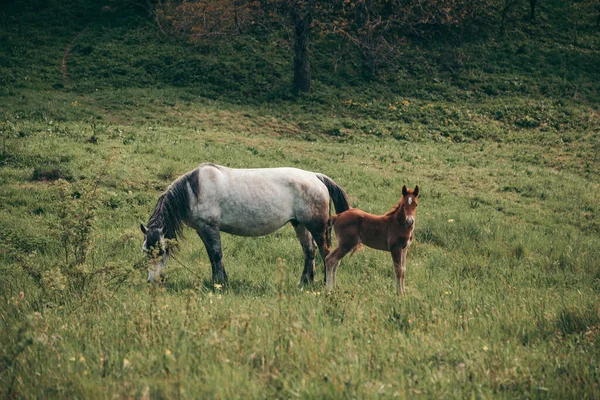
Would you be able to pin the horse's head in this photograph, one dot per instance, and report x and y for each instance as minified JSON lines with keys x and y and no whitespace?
{"x":409,"y":203}
{"x":155,"y":247}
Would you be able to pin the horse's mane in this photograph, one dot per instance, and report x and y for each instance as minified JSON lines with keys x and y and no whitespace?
{"x":173,"y":206}
{"x":397,"y":206}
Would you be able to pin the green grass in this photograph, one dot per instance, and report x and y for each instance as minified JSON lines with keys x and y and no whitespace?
{"x":503,"y":278}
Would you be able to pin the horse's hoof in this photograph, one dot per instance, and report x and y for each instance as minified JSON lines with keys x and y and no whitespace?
{"x":305,"y":281}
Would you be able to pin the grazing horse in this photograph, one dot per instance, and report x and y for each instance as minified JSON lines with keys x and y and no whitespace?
{"x":391,"y":232}
{"x":246,"y":202}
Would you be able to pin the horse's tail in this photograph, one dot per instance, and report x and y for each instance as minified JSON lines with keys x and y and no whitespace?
{"x":336,"y":193}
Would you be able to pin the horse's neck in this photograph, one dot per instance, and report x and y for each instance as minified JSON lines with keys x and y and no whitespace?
{"x":163,"y":221}
{"x":399,"y":215}
{"x":399,"y":212}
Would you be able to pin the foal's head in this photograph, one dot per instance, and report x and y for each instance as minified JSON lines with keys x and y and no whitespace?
{"x":156,"y":249}
{"x":408,"y":205}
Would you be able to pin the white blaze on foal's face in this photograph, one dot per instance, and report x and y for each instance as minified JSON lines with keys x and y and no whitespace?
{"x":411,"y":201}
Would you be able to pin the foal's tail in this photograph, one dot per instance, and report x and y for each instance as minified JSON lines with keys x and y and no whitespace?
{"x":358,"y":248}
{"x":337,"y":194}
{"x":340,"y":202}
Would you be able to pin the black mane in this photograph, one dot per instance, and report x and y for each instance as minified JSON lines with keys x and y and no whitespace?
{"x":172,"y":208}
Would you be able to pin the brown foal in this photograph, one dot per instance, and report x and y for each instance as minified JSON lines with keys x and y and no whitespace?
{"x":391,"y":232}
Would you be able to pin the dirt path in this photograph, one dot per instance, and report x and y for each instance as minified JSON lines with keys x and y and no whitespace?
{"x":63,"y":68}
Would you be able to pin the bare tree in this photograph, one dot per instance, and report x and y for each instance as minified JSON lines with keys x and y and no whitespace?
{"x":532,"y":4}
{"x":301,"y":14}
{"x":507,"y":5}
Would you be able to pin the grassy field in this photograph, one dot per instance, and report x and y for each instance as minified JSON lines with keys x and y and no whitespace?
{"x":503,"y":279}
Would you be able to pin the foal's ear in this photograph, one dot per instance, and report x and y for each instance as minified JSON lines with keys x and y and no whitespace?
{"x":416,"y":191}
{"x":404,"y":191}
{"x":143,"y":228}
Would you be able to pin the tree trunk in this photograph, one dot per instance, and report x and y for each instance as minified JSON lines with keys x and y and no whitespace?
{"x":365,"y":39}
{"x":302,"y":76}
{"x":236,"y":21}
{"x":505,"y":10}
{"x":532,"y":10}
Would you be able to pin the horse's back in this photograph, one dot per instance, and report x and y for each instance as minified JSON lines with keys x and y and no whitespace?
{"x":358,"y":226}
{"x":348,"y":221}
{"x":258,"y":201}
{"x":241,"y":181}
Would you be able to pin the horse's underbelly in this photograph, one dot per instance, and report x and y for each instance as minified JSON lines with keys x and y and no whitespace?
{"x":253,"y":221}
{"x":375,"y":237}
{"x":255,"y":229}
{"x":376,"y":243}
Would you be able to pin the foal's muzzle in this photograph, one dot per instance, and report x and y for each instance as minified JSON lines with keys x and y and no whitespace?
{"x":410,"y":221}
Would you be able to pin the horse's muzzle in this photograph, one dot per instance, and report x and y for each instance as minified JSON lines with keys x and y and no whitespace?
{"x":155,"y":276}
{"x":159,"y":280}
{"x":410,"y":221}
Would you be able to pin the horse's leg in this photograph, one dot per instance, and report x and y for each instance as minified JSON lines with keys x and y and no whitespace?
{"x":403,"y":267}
{"x":319,"y":234}
{"x":332,"y":261}
{"x":211,"y":237}
{"x":309,"y":249}
{"x":399,"y":258}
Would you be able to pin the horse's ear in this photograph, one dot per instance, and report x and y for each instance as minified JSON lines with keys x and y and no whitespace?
{"x":416,"y":191}
{"x":404,"y":191}
{"x":143,"y":228}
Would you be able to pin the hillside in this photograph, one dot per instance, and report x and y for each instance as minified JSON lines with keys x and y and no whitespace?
{"x":101,"y":109}
{"x":539,"y":79}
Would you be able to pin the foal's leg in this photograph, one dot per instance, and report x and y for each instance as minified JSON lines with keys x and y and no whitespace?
{"x":309,"y":248}
{"x":332,"y":261}
{"x":346,"y":242}
{"x":211,"y":236}
{"x":399,"y":258}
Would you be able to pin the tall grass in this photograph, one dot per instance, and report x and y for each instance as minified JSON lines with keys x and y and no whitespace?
{"x":502,"y":279}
